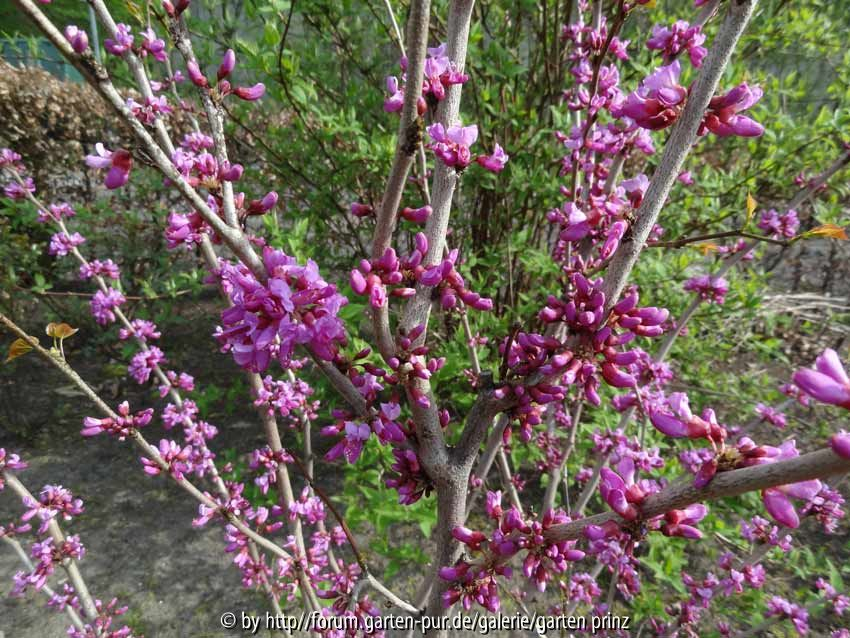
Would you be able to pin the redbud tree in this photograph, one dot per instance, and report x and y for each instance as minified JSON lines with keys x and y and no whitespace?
{"x":566,"y":369}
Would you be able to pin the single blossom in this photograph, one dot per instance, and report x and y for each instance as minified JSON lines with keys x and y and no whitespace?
{"x":828,"y":382}
{"x":78,"y":38}
{"x":452,"y":144}
{"x":495,"y":162}
{"x":121,"y":42}
{"x":9,"y":461}
{"x":152,"y":45}
{"x":722,"y":117}
{"x":118,"y":162}
{"x":777,"y":500}
{"x":658,"y":101}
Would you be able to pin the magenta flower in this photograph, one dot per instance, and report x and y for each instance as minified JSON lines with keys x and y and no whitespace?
{"x":9,"y":461}
{"x":118,"y":162}
{"x":681,"y":422}
{"x":682,"y":522}
{"x":98,"y":268}
{"x":395,"y":102}
{"x":679,"y":37}
{"x":778,"y":226}
{"x":612,"y":242}
{"x":620,"y":491}
{"x":10,"y":158}
{"x":452,"y":145}
{"x":151,"y":45}
{"x":495,"y":162}
{"x":195,"y":74}
{"x":658,"y":101}
{"x":141,"y":329}
{"x":635,"y":188}
{"x":782,"y":608}
{"x":722,"y":117}
{"x":103,"y":305}
{"x":411,"y":482}
{"x":416,"y":215}
{"x":53,"y":501}
{"x":55,"y":213}
{"x":777,"y":500}
{"x":840,"y":443}
{"x":185,"y":229}
{"x":771,"y":415}
{"x":828,"y":382}
{"x":143,"y":363}
{"x":295,"y":306}
{"x":148,"y":112}
{"x":175,"y":456}
{"x":122,"y":42}
{"x":77,"y":37}
{"x":250,"y":93}
{"x":121,"y":427}
{"x":710,"y":289}
{"x":361,"y":210}
{"x":14,"y":190}
{"x":62,"y":243}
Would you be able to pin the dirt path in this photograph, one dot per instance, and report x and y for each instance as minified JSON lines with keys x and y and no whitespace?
{"x":141,"y":547}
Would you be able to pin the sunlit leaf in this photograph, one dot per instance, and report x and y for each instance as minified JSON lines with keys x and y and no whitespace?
{"x":60,"y":330}
{"x":833,"y":231}
{"x":751,"y":208}
{"x":18,"y":348}
{"x":707,"y":247}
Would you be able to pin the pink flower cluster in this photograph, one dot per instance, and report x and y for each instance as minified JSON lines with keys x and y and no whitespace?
{"x":294,"y":306}
{"x":223,"y":86}
{"x":123,"y":426}
{"x":710,"y":288}
{"x":678,"y":37}
{"x":439,"y":74}
{"x":474,"y":581}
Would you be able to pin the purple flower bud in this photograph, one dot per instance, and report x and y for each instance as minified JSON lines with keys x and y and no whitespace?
{"x":417,"y":215}
{"x":361,"y":210}
{"x":780,"y":508}
{"x":227,"y":64}
{"x":840,"y":443}
{"x":231,"y":173}
{"x":77,"y":37}
{"x":250,"y":93}
{"x":668,"y":424}
{"x":829,"y":383}
{"x":616,"y":377}
{"x":198,"y":78}
{"x":612,"y":241}
{"x":358,"y":282}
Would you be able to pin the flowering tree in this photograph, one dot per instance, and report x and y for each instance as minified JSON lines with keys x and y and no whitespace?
{"x":580,"y":353}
